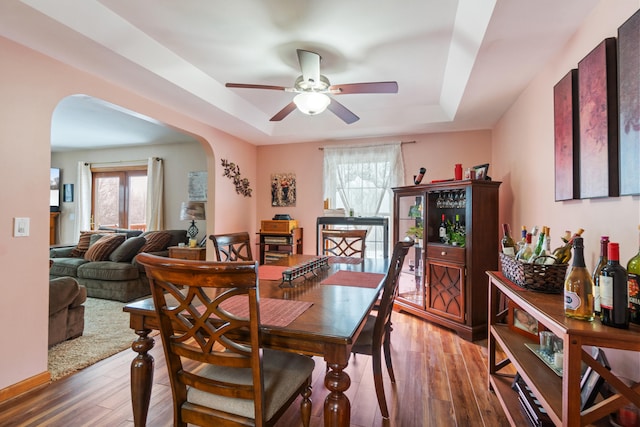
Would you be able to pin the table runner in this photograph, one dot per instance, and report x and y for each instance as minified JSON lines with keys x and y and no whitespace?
{"x":273,"y":311}
{"x":354,"y":278}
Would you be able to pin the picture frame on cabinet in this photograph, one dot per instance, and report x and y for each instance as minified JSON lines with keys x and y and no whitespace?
{"x":482,"y":171}
{"x":598,"y":122}
{"x":523,"y":323}
{"x":629,"y":104}
{"x":566,"y":137}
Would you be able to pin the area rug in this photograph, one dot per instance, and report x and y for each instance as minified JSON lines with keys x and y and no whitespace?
{"x":106,"y":332}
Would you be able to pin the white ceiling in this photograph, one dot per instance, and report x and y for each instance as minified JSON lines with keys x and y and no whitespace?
{"x":459,"y":64}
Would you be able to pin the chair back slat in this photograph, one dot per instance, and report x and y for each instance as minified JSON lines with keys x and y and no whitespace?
{"x":344,"y":243}
{"x":232,"y":246}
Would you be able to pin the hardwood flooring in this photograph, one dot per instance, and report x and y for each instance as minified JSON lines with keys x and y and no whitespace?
{"x":441,"y":380}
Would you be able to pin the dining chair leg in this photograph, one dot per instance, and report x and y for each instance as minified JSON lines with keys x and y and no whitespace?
{"x":377,"y":380}
{"x":387,"y":359}
{"x":305,"y":405}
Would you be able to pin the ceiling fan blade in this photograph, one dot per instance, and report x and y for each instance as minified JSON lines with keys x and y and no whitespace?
{"x":373,"y":87}
{"x":250,"y":86}
{"x":309,"y":65}
{"x":343,"y":112}
{"x":284,"y":112}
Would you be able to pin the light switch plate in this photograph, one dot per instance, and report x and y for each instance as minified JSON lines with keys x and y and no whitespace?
{"x":20,"y":227}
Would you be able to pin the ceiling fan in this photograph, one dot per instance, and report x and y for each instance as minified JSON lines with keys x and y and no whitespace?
{"x":313,"y":88}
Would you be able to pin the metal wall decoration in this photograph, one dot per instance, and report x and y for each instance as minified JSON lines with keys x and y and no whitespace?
{"x":629,"y":92}
{"x":232,"y":171}
{"x":283,"y":189}
{"x":598,"y":112}
{"x":566,"y":141}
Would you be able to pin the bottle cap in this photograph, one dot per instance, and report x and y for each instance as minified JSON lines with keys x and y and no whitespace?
{"x":614,"y":251}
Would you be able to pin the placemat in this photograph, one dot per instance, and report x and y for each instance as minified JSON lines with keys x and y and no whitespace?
{"x":273,"y":311}
{"x":271,"y":272}
{"x":358,"y":279}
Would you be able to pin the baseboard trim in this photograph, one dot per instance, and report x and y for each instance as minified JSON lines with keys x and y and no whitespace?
{"x":24,"y":386}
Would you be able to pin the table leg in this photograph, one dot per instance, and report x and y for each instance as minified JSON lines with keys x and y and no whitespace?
{"x":337,"y":408}
{"x":141,"y":377}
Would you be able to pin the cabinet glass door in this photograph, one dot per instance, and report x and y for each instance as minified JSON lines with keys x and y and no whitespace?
{"x":410,"y":222}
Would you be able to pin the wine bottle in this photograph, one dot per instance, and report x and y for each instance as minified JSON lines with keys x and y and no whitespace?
{"x":525,"y":253}
{"x":540,"y":245}
{"x":614,"y":294}
{"x":523,"y":238}
{"x":442,"y":231}
{"x":563,"y":253}
{"x":602,"y":261}
{"x":508,"y":244}
{"x":578,"y":286}
{"x":633,"y":270}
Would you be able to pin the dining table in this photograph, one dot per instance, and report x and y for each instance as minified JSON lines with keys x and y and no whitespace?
{"x":337,"y":299}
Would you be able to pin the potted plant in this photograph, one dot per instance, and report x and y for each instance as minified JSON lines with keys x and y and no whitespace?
{"x":417,"y":232}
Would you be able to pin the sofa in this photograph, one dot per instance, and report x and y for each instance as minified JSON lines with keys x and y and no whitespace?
{"x":66,"y":309}
{"x":104,"y":263}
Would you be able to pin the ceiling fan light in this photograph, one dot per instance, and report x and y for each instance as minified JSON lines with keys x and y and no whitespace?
{"x":311,"y":103}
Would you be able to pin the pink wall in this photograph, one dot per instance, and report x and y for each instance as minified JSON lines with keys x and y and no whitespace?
{"x":31,"y":86}
{"x":524,"y":158}
{"x":436,"y":152}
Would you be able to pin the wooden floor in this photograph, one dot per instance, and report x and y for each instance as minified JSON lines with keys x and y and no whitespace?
{"x":441,"y":380}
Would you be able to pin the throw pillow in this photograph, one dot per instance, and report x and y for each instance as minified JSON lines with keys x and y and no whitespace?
{"x":127,"y":250}
{"x":83,"y":243}
{"x":156,"y":241}
{"x":101,"y":249}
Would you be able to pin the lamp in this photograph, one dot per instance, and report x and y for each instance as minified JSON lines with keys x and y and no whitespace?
{"x":311,"y":103}
{"x":193,"y":211}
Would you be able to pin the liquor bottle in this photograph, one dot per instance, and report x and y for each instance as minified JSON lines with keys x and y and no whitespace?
{"x":602,"y":261}
{"x":523,"y":238}
{"x":442,"y":231}
{"x":633,"y":270}
{"x":578,"y":286}
{"x":508,"y":244}
{"x":563,"y":253}
{"x":525,"y":253}
{"x":546,"y":257}
{"x":614,"y":291}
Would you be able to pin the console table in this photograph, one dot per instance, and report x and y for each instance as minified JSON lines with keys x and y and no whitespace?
{"x":378,"y":221}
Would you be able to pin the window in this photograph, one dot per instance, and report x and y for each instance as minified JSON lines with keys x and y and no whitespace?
{"x":119,"y":197}
{"x":361,"y":178}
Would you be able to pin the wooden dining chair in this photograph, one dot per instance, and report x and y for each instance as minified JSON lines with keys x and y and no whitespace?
{"x":219,"y":373}
{"x":344,"y":243}
{"x":376,"y":334}
{"x":232,"y":246}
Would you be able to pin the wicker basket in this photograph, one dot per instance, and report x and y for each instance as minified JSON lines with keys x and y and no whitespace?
{"x":535,"y":277}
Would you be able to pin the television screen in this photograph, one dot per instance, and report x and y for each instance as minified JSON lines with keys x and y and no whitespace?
{"x":54,"y":185}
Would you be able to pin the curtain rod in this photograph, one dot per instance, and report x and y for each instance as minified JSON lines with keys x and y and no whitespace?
{"x":374,"y":145}
{"x":121,"y":161}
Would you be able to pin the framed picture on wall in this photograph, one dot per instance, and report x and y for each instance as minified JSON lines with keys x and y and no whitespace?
{"x":598,"y":118}
{"x":566,"y":137}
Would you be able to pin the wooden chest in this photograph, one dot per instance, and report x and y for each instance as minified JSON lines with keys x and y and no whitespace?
{"x":278,"y":226}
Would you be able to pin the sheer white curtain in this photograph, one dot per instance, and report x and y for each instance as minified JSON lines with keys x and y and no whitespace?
{"x":155,"y":194}
{"x":361,"y":178}
{"x":83,"y":199}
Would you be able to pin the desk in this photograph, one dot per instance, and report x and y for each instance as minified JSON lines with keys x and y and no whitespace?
{"x":379,"y":221}
{"x":328,"y":329}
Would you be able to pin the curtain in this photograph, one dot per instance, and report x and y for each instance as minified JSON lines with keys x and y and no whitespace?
{"x":155,"y":194}
{"x":83,"y":199}
{"x":359,"y":178}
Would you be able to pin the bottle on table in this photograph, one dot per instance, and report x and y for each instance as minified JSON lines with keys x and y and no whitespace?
{"x":527,"y":250}
{"x":633,"y":271}
{"x":602,"y":261}
{"x":578,"y":286}
{"x":614,"y":291}
{"x":563,"y":253}
{"x":508,"y":244}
